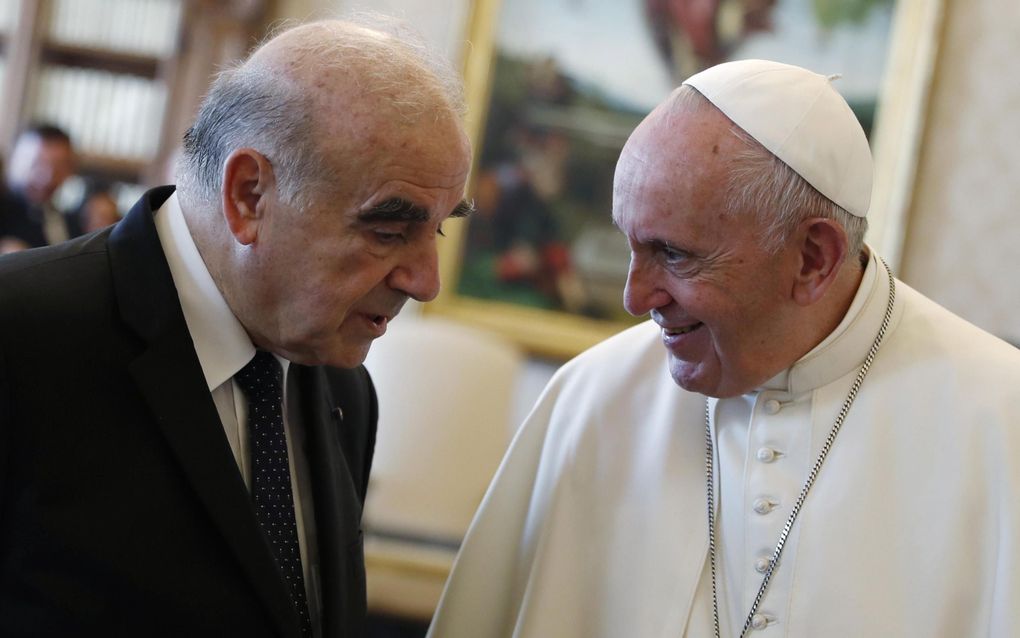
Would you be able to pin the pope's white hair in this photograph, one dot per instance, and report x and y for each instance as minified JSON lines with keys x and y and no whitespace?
{"x":763,"y":185}
{"x":253,"y":104}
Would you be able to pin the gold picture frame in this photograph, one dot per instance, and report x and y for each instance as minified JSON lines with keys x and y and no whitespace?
{"x":560,"y":334}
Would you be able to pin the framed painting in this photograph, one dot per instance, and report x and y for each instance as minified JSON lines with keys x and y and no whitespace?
{"x":555,"y":87}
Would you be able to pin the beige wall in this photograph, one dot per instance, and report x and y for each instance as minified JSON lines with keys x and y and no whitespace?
{"x":303,"y":9}
{"x":963,"y":234}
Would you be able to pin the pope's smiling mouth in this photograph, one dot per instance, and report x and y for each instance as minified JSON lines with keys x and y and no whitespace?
{"x":674,"y":332}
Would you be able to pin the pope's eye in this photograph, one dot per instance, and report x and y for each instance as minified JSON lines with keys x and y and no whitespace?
{"x":672,"y":255}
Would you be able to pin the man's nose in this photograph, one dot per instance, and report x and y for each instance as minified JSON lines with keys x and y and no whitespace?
{"x":643,"y":292}
{"x":417,"y":275}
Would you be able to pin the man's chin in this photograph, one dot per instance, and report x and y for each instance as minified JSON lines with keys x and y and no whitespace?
{"x":693,"y":377}
{"x":345,"y":358}
{"x":337,"y":356}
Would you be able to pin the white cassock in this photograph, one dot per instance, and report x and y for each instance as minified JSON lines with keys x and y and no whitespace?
{"x":595,"y":525}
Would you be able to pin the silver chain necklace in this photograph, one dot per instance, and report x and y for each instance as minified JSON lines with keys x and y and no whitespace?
{"x":812,"y":475}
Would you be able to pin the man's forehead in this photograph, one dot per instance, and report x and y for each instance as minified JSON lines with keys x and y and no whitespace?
{"x":670,"y":162}
{"x":648,"y":156}
{"x":437,"y":150}
{"x":429,"y":176}
{"x":631,"y":171}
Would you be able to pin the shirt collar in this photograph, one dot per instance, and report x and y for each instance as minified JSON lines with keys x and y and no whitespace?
{"x":221,"y":343}
{"x":847,"y":346}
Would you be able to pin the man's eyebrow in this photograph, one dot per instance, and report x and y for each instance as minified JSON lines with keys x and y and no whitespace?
{"x":465,"y":208}
{"x":395,"y":209}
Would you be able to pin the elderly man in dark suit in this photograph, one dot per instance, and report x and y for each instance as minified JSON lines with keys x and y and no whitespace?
{"x":186,"y":429}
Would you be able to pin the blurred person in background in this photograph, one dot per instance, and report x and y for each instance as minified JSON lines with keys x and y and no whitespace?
{"x":43,"y":158}
{"x":98,"y":208}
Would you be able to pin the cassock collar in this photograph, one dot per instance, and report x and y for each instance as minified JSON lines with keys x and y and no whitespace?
{"x":221,"y":343}
{"x":846,"y":347}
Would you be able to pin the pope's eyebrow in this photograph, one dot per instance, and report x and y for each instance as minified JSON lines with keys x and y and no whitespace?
{"x":395,"y":209}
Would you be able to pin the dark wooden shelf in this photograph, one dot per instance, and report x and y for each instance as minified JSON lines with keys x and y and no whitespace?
{"x":113,"y":61}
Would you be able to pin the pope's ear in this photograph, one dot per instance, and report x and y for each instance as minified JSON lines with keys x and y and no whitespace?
{"x":247,"y":178}
{"x":822,"y":245}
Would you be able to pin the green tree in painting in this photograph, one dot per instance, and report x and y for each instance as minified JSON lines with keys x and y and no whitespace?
{"x":832,"y":13}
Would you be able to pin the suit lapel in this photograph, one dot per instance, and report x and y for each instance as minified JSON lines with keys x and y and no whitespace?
{"x":337,"y":506}
{"x":169,"y":377}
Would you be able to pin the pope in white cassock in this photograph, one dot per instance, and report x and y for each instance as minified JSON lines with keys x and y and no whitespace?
{"x":796,"y":444}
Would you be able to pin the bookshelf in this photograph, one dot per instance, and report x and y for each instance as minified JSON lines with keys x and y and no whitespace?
{"x":8,"y":18}
{"x":123,"y":77}
{"x":98,"y":69}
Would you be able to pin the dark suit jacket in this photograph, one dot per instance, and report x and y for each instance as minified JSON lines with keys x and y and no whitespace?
{"x":122,"y":511}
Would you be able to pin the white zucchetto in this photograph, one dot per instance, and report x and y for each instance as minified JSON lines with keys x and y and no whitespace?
{"x":801,"y":119}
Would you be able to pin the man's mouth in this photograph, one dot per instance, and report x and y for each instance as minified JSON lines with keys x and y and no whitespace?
{"x":376,"y":322}
{"x":675,"y":332}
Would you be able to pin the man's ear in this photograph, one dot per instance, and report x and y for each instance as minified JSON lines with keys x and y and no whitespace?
{"x":822,"y":245}
{"x":247,"y":179}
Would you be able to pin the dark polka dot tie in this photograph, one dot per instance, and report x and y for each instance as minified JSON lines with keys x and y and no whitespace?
{"x":262,"y":383}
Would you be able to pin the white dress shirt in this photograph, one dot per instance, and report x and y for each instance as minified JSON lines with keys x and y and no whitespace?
{"x":54,"y":225}
{"x":223,"y":348}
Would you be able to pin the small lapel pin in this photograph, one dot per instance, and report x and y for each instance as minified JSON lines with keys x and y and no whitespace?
{"x":338,"y":413}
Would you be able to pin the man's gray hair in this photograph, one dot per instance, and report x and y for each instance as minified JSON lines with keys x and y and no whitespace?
{"x":778,"y":197}
{"x":243,"y":109}
{"x":251,"y":105}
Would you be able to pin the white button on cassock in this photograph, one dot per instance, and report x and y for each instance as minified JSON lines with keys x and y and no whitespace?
{"x":762,"y":565}
{"x":763,"y":505}
{"x":773,"y":406}
{"x":766,"y":455}
{"x":759,"y":621}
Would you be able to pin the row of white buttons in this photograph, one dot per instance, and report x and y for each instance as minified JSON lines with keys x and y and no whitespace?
{"x":763,"y":506}
{"x":767,"y":454}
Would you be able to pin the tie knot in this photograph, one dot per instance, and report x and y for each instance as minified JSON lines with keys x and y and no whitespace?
{"x":261,"y":378}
